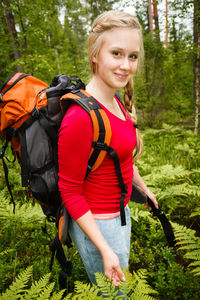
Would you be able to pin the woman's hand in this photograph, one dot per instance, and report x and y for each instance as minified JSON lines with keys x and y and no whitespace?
{"x":152,"y":197}
{"x":139,"y":181}
{"x":112,"y":269}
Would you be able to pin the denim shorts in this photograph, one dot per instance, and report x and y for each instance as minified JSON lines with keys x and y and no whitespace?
{"x":117,"y":236}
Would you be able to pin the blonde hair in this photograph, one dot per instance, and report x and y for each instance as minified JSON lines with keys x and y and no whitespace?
{"x":108,"y":21}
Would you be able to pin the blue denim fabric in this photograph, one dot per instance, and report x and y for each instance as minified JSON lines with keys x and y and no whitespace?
{"x":117,"y":236}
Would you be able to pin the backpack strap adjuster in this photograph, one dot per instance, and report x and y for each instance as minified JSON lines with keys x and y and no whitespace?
{"x":100,"y":145}
{"x":35,"y":113}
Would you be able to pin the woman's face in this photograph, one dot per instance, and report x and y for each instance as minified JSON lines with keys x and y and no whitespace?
{"x":117,"y":59}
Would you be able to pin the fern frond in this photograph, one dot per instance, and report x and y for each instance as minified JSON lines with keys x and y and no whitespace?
{"x":137,"y":213}
{"x":18,"y":286}
{"x":69,"y":296}
{"x":37,"y":287}
{"x":186,"y":148}
{"x":58,"y":296}
{"x":5,"y":252}
{"x":106,"y":287}
{"x":46,"y":293}
{"x":189,"y":243}
{"x":26,"y":212}
{"x":86,"y":291}
{"x":196,"y":212}
{"x":138,"y":288}
{"x":165,"y":173}
{"x":179,"y":190}
{"x":141,"y":277}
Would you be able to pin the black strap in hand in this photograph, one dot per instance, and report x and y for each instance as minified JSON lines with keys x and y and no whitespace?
{"x":139,"y":196}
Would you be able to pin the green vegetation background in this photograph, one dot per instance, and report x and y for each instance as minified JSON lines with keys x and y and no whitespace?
{"x":170,"y":164}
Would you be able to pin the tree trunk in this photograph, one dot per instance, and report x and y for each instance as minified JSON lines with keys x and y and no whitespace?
{"x":166,"y":26}
{"x":150,"y":17}
{"x":196,"y":68}
{"x":12,"y":29}
{"x":155,"y":16}
{"x":23,"y":30}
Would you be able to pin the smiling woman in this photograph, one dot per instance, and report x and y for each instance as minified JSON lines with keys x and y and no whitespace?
{"x":115,"y":50}
{"x":117,"y":59}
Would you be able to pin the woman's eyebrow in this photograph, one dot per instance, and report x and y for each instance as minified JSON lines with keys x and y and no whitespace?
{"x":122,"y":49}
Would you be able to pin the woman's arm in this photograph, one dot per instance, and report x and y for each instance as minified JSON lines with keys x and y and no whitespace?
{"x":74,"y":148}
{"x":112,"y":268}
{"x":139,"y":181}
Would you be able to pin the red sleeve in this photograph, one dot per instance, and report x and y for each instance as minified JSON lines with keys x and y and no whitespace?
{"x":74,"y":146}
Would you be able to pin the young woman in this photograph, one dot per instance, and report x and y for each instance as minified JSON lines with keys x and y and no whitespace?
{"x":115,"y":50}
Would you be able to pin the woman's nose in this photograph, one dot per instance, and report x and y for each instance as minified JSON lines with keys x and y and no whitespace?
{"x":125,"y":64}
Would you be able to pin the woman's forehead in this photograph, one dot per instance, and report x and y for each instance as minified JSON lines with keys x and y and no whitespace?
{"x":122,"y":38}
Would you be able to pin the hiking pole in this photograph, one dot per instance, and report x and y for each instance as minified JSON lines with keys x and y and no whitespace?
{"x":139,"y":196}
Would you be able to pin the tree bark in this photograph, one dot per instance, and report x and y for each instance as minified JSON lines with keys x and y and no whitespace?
{"x":196,"y":68}
{"x":150,"y":17}
{"x":23,"y":30}
{"x":155,"y":16}
{"x":12,"y":29}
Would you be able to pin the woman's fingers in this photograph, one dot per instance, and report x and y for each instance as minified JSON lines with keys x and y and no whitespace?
{"x":112,"y":269}
{"x":117,"y":276}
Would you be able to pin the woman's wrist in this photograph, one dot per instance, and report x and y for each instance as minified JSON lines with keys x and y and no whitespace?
{"x":105,"y":250}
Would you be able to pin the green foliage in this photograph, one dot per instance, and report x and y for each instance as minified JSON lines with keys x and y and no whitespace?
{"x":187,"y":240}
{"x":135,"y":287}
{"x":54,"y":40}
{"x":170,"y":166}
{"x":38,"y":290}
{"x":18,"y":287}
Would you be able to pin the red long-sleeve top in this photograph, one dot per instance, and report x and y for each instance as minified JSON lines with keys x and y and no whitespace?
{"x":100,"y":192}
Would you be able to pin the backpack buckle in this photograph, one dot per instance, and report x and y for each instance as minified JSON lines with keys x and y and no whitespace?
{"x":99,"y":145}
{"x":35,"y":113}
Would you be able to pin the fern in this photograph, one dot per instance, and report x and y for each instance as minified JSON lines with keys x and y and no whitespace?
{"x":137,"y":213}
{"x":196,"y":212}
{"x":136,"y":286}
{"x":40,"y":290}
{"x":59,"y":295}
{"x":6,"y":252}
{"x":26,"y":212}
{"x":85,"y":291}
{"x":46,"y":293}
{"x":191,"y":244}
{"x":18,"y":286}
{"x":166,"y":173}
{"x":107,"y":288}
{"x":37,"y":288}
{"x":180,"y":190}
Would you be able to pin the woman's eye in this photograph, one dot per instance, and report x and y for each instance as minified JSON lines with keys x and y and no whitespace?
{"x":116,"y":53}
{"x":133,"y":56}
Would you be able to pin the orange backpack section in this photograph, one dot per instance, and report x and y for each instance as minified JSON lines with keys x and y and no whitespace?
{"x":18,"y":99}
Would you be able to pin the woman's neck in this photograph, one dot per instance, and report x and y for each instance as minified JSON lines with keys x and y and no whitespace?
{"x":103,"y":93}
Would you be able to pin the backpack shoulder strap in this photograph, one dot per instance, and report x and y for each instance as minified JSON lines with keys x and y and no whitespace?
{"x":101,"y":125}
{"x":101,"y":138}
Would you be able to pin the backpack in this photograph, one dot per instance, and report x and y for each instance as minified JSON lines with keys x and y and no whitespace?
{"x":31,"y":113}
